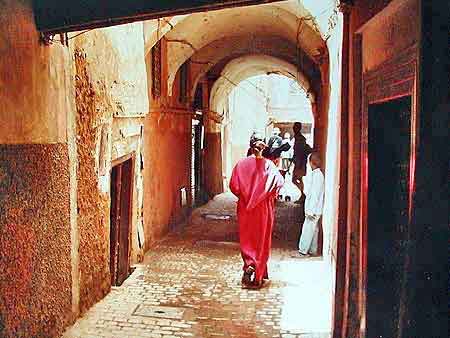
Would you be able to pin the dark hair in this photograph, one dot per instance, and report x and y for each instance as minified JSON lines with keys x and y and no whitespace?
{"x":256,"y":144}
{"x":297,"y":127}
{"x":255,"y":137}
{"x":275,"y":147}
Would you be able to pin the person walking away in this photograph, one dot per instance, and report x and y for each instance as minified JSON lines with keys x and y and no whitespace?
{"x":315,"y":188}
{"x":301,"y":152}
{"x":256,"y":181}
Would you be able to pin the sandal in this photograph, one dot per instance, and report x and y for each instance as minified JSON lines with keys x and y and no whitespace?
{"x":247,"y":276}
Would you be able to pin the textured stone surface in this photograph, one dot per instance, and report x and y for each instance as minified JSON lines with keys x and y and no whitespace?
{"x":197,"y":268}
{"x":35,"y":278}
{"x":93,"y":206}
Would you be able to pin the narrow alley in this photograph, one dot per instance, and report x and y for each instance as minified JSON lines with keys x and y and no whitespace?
{"x":122,"y":123}
{"x":189,"y":286}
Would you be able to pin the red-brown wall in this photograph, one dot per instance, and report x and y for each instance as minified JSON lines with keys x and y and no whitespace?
{"x":167,"y":151}
{"x":35,"y":256}
{"x":167,"y":156}
{"x":384,"y":41}
{"x":35,"y":217}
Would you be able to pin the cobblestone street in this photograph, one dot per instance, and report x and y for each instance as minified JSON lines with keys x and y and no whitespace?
{"x":189,"y":286}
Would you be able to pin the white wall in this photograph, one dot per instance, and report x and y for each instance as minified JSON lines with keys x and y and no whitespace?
{"x":248,"y":111}
{"x":330,"y":214}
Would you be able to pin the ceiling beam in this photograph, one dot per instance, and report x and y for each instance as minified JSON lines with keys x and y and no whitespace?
{"x":58,"y":16}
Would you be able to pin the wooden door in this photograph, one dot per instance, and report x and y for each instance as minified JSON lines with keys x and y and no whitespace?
{"x":120,"y":218}
{"x":114,"y":221}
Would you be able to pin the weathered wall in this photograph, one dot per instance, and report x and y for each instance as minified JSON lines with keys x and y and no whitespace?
{"x":127,"y":138}
{"x":393,"y":32}
{"x":35,"y":261}
{"x":105,"y":90}
{"x":32,"y":80}
{"x":36,"y":100}
{"x":167,"y":154}
{"x":93,"y":206}
{"x":167,"y":151}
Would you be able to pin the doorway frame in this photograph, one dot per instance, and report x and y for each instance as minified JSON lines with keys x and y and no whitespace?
{"x":394,"y":78}
{"x":118,"y":161}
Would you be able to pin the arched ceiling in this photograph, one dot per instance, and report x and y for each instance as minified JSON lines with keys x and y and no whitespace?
{"x":218,"y":53}
{"x":156,"y":29}
{"x":320,"y":10}
{"x":244,"y":67}
{"x":198,"y":30}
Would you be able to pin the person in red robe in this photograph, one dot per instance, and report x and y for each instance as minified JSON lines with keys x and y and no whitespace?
{"x":256,"y":182}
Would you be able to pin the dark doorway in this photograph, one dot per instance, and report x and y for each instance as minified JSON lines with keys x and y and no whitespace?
{"x":388,"y":220}
{"x":196,"y":163}
{"x":121,"y":193}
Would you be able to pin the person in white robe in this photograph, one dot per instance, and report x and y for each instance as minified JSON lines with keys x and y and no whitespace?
{"x":314,"y":188}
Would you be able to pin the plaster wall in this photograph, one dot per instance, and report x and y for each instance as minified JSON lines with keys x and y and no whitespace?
{"x":200,"y":29}
{"x":127,"y":138}
{"x":111,"y":97}
{"x":166,"y":154}
{"x":249,"y":66}
{"x":333,"y":143}
{"x":33,"y":78}
{"x":247,"y":113}
{"x":332,"y":152}
{"x":223,"y":50}
{"x":167,"y":151}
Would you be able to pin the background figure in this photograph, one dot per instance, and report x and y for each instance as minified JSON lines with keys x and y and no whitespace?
{"x":275,"y":147}
{"x":253,"y":137}
{"x":301,"y":152}
{"x":286,"y":156}
{"x":256,"y":181}
{"x":315,"y":188}
{"x":276,"y":131}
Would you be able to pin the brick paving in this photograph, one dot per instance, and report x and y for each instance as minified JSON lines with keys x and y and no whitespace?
{"x":189,"y":286}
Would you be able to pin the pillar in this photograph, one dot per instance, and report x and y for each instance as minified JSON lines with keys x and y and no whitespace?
{"x":340,"y":312}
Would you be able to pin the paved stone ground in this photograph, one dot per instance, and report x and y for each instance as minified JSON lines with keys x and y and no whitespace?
{"x":189,"y":286}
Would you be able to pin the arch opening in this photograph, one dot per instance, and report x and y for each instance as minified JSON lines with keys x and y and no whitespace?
{"x":263,"y":103}
{"x":248,"y":66}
